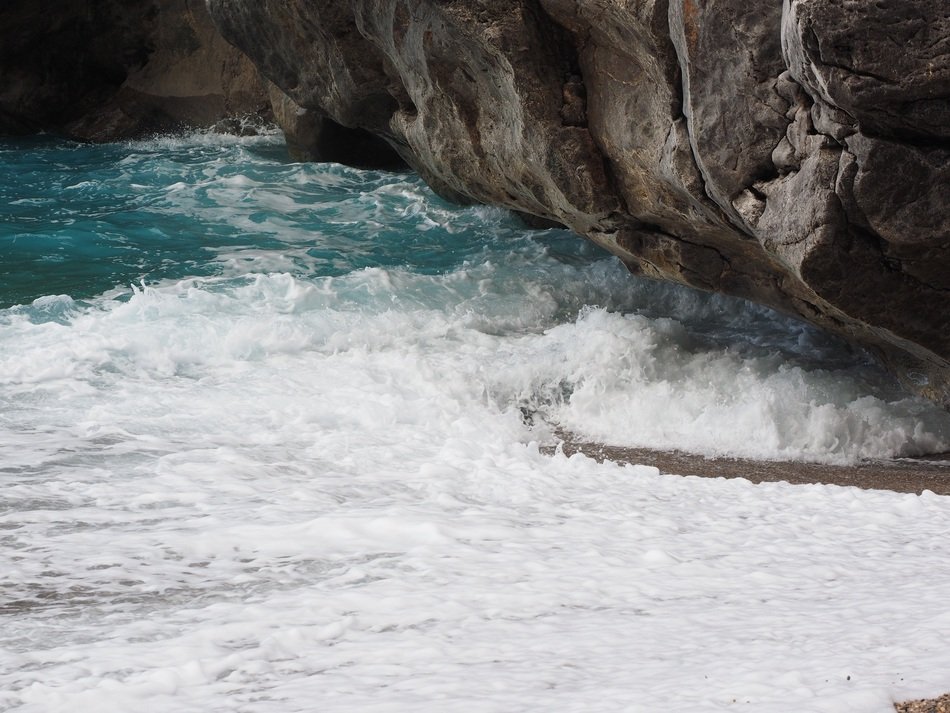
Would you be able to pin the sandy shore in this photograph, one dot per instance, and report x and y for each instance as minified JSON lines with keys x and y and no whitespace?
{"x":935,"y":705}
{"x":910,"y":475}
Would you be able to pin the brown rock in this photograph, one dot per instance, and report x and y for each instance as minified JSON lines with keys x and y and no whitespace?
{"x":106,"y":69}
{"x":932,"y":705}
{"x":792,"y":154}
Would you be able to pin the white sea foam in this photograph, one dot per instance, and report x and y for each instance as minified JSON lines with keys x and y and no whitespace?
{"x":265,"y":492}
{"x":625,"y":379}
{"x":281,"y":493}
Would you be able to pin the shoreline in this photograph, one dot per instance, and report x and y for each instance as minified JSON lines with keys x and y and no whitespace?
{"x":906,"y":475}
{"x":925,"y":705}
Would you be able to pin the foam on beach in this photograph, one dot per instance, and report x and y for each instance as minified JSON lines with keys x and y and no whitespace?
{"x":308,"y":465}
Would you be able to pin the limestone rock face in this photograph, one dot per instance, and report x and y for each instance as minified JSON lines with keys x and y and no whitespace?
{"x":796,"y":153}
{"x":110,"y":69}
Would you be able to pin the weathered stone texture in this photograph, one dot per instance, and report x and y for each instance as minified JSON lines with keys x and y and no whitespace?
{"x":108,"y":69}
{"x":793,"y":153}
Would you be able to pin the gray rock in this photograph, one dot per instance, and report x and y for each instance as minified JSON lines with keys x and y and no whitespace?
{"x":886,"y":64}
{"x":794,"y":154}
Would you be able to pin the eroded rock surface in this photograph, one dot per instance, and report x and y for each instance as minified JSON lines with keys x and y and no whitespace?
{"x":791,"y":153}
{"x":110,"y":69}
{"x":795,"y":154}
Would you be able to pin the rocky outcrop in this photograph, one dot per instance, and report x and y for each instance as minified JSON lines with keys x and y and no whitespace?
{"x":109,"y":69}
{"x":794,"y":154}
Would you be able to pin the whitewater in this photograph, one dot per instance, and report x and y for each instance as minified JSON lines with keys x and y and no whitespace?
{"x":283,"y":437}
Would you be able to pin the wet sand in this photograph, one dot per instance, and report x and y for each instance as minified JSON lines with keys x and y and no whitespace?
{"x":935,"y":705}
{"x":908,"y":475}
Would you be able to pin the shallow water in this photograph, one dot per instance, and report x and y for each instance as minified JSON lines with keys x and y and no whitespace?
{"x":269,"y":436}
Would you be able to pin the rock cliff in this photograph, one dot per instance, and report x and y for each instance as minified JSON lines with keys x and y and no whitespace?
{"x":112,"y":69}
{"x":795,"y":154}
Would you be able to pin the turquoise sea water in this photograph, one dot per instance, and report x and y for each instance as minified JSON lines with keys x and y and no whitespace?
{"x":87,"y":228}
{"x":277,"y":437}
{"x":82,"y":219}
